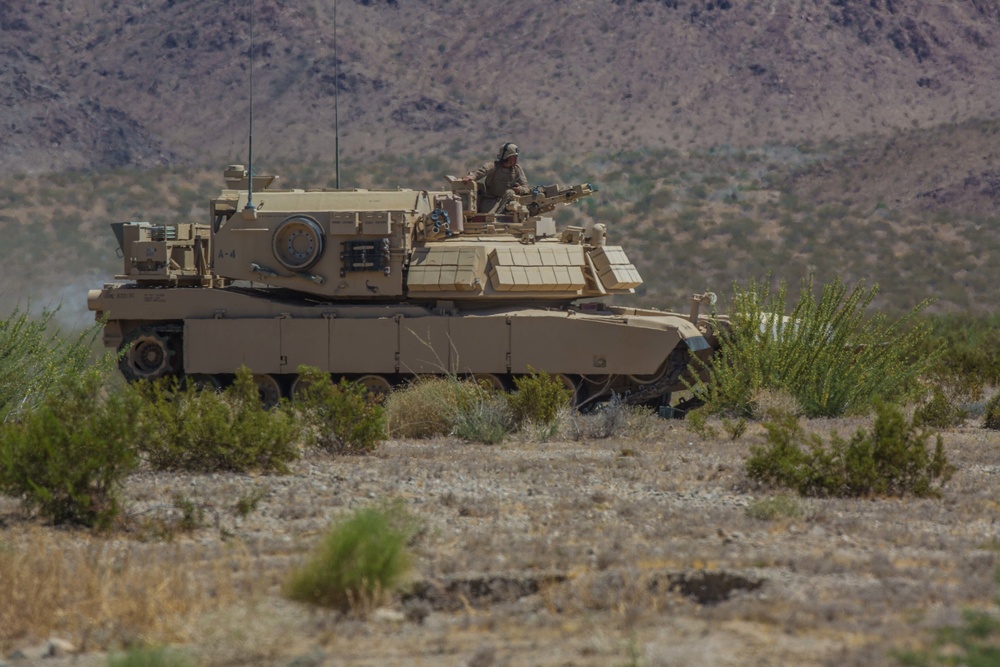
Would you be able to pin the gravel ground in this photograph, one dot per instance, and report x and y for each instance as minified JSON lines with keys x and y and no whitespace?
{"x":608,"y":552}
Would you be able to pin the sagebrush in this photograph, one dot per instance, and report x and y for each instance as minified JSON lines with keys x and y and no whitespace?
{"x":206,"y":431}
{"x":343,"y":417}
{"x":893,"y":459}
{"x":68,"y":458}
{"x":538,"y":398}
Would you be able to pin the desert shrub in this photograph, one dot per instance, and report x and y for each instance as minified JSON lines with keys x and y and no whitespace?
{"x":774,"y":507}
{"x":34,"y":358}
{"x":734,"y":428}
{"x":247,"y":504}
{"x":343,"y":418}
{"x":538,"y":398}
{"x":891,"y":460}
{"x":150,"y":657}
{"x":205,"y":431}
{"x":970,"y":350}
{"x":69,"y":456}
{"x":360,"y":561}
{"x":828,"y":355}
{"x":991,"y":414}
{"x":430,"y":406}
{"x":613,"y":419}
{"x":486,"y":420}
{"x":697,"y":421}
{"x":939,"y":411}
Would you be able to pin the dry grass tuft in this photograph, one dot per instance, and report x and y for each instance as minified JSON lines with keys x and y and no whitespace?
{"x":771,"y":403}
{"x":102,"y":594}
{"x":429,"y":407}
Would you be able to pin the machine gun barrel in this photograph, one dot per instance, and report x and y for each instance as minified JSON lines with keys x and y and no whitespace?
{"x":544,"y":198}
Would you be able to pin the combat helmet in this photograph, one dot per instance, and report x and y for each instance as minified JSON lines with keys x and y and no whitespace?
{"x":507,"y":150}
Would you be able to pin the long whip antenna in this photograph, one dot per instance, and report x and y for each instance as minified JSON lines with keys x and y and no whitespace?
{"x":250,"y":205}
{"x":336,"y":92}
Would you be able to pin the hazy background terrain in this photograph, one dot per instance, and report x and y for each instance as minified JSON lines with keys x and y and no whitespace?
{"x":728,"y":139}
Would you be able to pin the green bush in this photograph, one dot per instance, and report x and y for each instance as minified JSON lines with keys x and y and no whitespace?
{"x":939,"y":411}
{"x":970,"y":350}
{"x":360,"y":561}
{"x":828,"y":355}
{"x":991,"y":417}
{"x":69,"y":457}
{"x":891,"y":460}
{"x":539,"y":398}
{"x":431,"y":406}
{"x":342,"y":416}
{"x":34,"y":358}
{"x":206,"y":431}
{"x":150,"y":657}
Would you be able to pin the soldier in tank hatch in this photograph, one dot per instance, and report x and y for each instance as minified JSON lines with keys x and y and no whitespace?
{"x":497,"y":177}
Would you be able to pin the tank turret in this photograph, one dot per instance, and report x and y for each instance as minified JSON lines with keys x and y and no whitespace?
{"x":383,"y":285}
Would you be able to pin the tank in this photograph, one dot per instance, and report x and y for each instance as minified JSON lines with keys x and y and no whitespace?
{"x":381,"y":286}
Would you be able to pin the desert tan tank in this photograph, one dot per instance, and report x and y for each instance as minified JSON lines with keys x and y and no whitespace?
{"x":381,"y":286}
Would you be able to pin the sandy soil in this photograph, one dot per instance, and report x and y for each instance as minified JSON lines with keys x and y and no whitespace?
{"x":598,"y":553}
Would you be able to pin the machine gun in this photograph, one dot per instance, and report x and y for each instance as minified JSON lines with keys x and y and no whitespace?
{"x":543,"y":198}
{"x":512,"y":213}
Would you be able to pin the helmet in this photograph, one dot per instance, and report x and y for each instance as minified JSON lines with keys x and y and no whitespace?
{"x":507,"y":150}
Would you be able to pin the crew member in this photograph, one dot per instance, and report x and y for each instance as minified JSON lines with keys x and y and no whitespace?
{"x":498,"y":177}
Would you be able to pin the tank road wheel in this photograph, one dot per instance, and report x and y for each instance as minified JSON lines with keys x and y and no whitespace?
{"x":376,"y":386}
{"x":302,"y":383}
{"x":150,"y":355}
{"x":491,"y":381}
{"x":269,"y":390}
{"x":204,"y":382}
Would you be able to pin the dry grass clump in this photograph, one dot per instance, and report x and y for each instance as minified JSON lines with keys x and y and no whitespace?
{"x":429,"y":407}
{"x":772,"y":508}
{"x":772,"y":403}
{"x":103,"y":595}
{"x":613,"y":419}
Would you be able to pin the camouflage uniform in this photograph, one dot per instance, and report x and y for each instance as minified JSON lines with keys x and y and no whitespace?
{"x":497,"y":180}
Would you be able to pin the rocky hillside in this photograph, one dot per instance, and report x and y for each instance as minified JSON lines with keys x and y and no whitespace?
{"x":729,"y":140}
{"x":90,"y":84}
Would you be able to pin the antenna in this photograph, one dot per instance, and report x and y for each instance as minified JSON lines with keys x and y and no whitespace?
{"x":250,"y":206}
{"x":336,"y":93}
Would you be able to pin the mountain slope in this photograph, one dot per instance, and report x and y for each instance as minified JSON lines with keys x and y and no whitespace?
{"x":96,"y":84}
